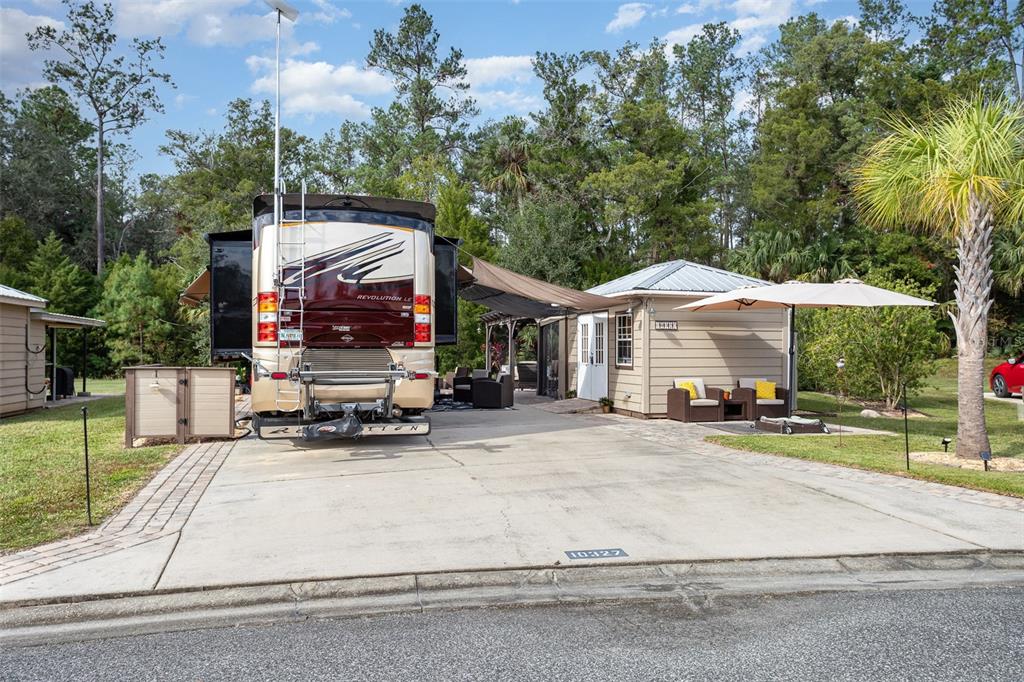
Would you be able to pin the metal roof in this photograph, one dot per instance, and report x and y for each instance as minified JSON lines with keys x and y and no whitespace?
{"x":63,"y":321}
{"x":11,"y":292}
{"x":677,"y":276}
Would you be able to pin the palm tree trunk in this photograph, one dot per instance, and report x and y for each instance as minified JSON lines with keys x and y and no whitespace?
{"x":973,"y":299}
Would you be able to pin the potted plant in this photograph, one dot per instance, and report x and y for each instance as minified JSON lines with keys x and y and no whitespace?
{"x":606,"y":404}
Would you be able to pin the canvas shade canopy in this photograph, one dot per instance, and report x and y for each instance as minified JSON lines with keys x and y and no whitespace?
{"x":845,"y":293}
{"x":517,"y":295}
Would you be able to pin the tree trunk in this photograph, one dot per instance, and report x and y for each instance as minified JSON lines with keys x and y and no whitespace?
{"x":101,"y":235}
{"x":973,"y":299}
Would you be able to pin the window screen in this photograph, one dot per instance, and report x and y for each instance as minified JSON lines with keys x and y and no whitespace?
{"x":624,"y":340}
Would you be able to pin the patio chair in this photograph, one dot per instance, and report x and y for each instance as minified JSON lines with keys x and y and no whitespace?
{"x":493,"y":394}
{"x":773,"y":408}
{"x":527,"y":372}
{"x":708,"y":406}
{"x":462,"y":389}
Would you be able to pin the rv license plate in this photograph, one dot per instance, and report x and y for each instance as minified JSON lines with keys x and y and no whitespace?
{"x":290,"y":334}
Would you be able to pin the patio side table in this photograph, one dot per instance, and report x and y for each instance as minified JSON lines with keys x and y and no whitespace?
{"x":735,"y":410}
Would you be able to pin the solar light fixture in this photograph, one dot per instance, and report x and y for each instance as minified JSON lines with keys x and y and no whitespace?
{"x":286,"y":10}
{"x":945,"y":443}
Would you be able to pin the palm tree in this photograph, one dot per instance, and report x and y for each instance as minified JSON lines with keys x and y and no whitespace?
{"x":959,"y":175}
{"x":510,"y":156}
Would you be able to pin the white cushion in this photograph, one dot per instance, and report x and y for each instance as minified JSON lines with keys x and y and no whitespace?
{"x":769,"y":401}
{"x":697,"y":384}
{"x":750,"y":383}
{"x":705,"y":402}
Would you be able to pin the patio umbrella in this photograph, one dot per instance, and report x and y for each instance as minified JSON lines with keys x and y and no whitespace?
{"x":846,"y":293}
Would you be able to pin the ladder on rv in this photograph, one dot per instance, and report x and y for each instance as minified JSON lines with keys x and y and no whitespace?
{"x":291,"y":254}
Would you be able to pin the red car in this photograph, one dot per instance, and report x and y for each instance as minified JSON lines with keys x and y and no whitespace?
{"x":1008,"y":377}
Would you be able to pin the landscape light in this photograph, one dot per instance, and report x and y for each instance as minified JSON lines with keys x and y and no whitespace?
{"x":945,"y":443}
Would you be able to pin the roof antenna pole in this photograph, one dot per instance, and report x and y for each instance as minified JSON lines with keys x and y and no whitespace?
{"x":280,"y":9}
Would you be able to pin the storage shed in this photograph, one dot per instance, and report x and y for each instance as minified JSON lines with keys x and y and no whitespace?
{"x":28,"y":370}
{"x":633,"y":352}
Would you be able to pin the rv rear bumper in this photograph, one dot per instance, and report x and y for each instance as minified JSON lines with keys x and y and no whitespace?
{"x":290,"y":427}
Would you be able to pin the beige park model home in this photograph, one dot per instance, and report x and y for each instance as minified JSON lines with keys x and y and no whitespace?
{"x":633,"y":352}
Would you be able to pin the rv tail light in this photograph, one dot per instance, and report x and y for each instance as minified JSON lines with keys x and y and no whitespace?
{"x":279,"y":375}
{"x":266,"y":328}
{"x":421,"y":323}
{"x":420,"y":375}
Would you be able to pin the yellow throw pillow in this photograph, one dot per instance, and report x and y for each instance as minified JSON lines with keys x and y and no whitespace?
{"x":689,"y":387}
{"x":765,"y":390}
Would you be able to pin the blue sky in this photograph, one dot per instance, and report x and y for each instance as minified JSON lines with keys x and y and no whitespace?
{"x":218,"y":50}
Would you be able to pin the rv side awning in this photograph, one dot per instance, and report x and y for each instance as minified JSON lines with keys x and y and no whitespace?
{"x":520,"y":296}
{"x":61,"y":321}
{"x":196,"y":292}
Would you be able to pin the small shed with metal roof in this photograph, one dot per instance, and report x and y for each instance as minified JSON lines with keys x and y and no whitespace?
{"x":633,"y":351}
{"x":28,"y":373}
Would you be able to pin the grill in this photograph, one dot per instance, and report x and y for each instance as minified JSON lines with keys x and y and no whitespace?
{"x":331,"y":359}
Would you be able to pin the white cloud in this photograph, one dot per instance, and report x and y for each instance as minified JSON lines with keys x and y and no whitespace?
{"x":487,"y":70}
{"x":319,"y":87}
{"x":627,"y":16}
{"x":752,"y":44}
{"x":849,"y":19}
{"x":300,"y":50}
{"x":760,"y":14}
{"x":181,"y":99}
{"x":329,"y":12}
{"x":507,"y":101}
{"x":20,"y":66}
{"x":681,"y":36}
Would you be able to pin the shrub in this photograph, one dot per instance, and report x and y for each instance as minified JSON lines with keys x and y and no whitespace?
{"x":885,"y":348}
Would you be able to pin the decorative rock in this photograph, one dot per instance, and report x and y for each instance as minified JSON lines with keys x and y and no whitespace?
{"x":870,"y":414}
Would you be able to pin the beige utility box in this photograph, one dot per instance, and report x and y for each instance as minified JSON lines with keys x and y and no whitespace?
{"x":179,"y":403}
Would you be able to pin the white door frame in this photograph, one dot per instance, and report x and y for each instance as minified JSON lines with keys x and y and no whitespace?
{"x":592,"y":356}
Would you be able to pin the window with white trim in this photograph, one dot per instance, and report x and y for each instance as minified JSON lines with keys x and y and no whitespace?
{"x":624,"y":340}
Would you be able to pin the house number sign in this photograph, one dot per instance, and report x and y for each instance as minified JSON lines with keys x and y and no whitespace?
{"x":667,"y":325}
{"x":595,"y":553}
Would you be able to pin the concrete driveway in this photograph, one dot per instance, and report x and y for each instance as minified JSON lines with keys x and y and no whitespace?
{"x":520,"y":488}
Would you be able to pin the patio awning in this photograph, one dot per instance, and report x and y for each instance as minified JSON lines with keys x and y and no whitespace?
{"x":196,"y":292}
{"x":61,"y":321}
{"x":517,"y":295}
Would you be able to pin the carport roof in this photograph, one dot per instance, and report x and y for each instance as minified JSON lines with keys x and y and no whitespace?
{"x":677,"y":277}
{"x":516,"y":295}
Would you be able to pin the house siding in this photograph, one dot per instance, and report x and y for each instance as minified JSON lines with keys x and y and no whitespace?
{"x":625,"y":384}
{"x":14,"y":398}
{"x":718,"y":347}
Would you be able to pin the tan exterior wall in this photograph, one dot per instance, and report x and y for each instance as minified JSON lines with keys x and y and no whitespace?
{"x":14,"y":398}
{"x":625,"y":383}
{"x":718,"y":347}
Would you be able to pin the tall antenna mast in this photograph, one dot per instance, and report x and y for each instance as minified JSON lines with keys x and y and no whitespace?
{"x":291,"y":14}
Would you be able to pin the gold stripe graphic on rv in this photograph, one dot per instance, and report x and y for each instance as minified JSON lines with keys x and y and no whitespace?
{"x":356,"y":261}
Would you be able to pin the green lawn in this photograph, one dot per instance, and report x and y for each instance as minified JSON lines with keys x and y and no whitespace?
{"x":886,"y":453}
{"x":101,"y":386}
{"x":42,"y":471}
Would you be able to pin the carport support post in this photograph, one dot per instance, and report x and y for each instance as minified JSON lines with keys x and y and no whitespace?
{"x":53,"y":364}
{"x":85,"y":358}
{"x":512,"y":349}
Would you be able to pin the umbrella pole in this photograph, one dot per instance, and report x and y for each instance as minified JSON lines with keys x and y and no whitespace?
{"x":792,"y":360}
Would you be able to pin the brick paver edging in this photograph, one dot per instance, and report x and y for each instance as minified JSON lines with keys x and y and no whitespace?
{"x":160,"y":508}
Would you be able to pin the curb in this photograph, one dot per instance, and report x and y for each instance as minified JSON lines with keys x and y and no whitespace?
{"x":698,"y":583}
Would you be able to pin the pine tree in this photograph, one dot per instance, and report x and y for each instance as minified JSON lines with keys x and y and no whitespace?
{"x":52,"y":275}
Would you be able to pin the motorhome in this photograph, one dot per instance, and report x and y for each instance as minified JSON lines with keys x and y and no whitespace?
{"x":348,"y":298}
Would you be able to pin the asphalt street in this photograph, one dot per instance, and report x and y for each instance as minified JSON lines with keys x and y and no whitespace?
{"x":965,"y":634}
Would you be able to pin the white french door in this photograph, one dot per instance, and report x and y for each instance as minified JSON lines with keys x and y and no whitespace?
{"x":592,"y":356}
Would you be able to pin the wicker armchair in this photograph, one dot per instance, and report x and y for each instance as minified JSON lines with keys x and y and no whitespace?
{"x":708,"y":406}
{"x":761,"y":407}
